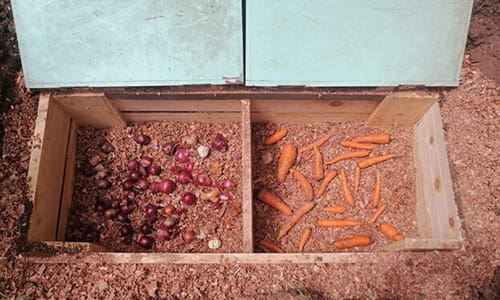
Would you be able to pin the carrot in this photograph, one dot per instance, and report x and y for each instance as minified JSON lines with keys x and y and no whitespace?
{"x":390,"y":231}
{"x":275,"y":137}
{"x":338,"y":209}
{"x":316,"y":143}
{"x":286,"y":160}
{"x":274,"y":201}
{"x":376,"y":192}
{"x":353,"y":240}
{"x":306,"y":234}
{"x":304,"y":184}
{"x":355,"y":145}
{"x":348,"y":155}
{"x":318,"y":172}
{"x":377,"y":213}
{"x":365,"y":163}
{"x":345,"y":186}
{"x":357,"y":178}
{"x":377,"y":138}
{"x":270,"y":246}
{"x":338,"y":223}
{"x":297,"y":215}
{"x":326,"y":181}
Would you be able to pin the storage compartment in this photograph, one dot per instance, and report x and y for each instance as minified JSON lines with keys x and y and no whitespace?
{"x":429,"y":202}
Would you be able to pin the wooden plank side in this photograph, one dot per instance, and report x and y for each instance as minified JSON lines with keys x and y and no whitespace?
{"x":199,"y":105}
{"x":208,"y":117}
{"x":307,"y":117}
{"x":91,"y":109}
{"x":47,"y":168}
{"x":247,"y":177}
{"x":68,"y":183}
{"x":80,"y":246}
{"x":423,"y":245}
{"x":402,"y":108}
{"x":435,"y":197}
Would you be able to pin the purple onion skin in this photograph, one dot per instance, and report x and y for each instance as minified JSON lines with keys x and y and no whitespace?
{"x":127,"y":184}
{"x":162,"y":234}
{"x":183,"y":177}
{"x":182,"y":155}
{"x":154,"y":170}
{"x":142,"y":139}
{"x":146,"y":242}
{"x":146,"y":161}
{"x":189,"y":198}
{"x":132,"y":165}
{"x":169,"y":148}
{"x":219,"y":143}
{"x":166,"y":186}
{"x":142,"y":184}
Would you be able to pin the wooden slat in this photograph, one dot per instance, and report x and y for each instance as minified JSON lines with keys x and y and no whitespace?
{"x":162,"y":105}
{"x":307,"y":117}
{"x":46,"y":169}
{"x":423,"y":245}
{"x":210,"y":117}
{"x":83,"y":246}
{"x":247,"y":177}
{"x":69,"y":180}
{"x":437,"y":215}
{"x":402,"y":108}
{"x":91,"y":109}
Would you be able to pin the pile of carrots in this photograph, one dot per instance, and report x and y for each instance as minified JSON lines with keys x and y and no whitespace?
{"x":362,"y":145}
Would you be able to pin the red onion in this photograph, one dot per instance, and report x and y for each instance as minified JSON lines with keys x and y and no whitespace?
{"x":127,"y":184}
{"x":126,"y":230}
{"x":106,"y":147}
{"x":142,"y":139}
{"x":146,"y":242}
{"x":169,"y":222}
{"x":188,"y":198}
{"x":203,"y":179}
{"x":122,"y":218}
{"x":143,"y":171}
{"x":169,"y":209}
{"x":103,"y":184}
{"x":154,"y":187}
{"x":145,"y":228}
{"x":150,"y":210}
{"x":166,"y":186}
{"x":132,"y":165}
{"x":190,"y":166}
{"x":169,"y":148}
{"x":110,"y":213}
{"x":216,"y":205}
{"x":154,"y":170}
{"x":134,"y":176}
{"x":182,"y":155}
{"x":162,"y":234}
{"x":227,"y":185}
{"x":174,"y":169}
{"x":219,"y":142}
{"x":224,"y":197}
{"x":142,"y":184}
{"x":146,"y":161}
{"x":183,"y":177}
{"x":188,"y":236}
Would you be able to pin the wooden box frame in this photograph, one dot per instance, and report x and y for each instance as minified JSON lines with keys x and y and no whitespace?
{"x":52,"y":164}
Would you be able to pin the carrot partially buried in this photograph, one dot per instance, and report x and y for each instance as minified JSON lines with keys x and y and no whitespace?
{"x":368,"y":162}
{"x":390,"y":231}
{"x":304,"y":237}
{"x":353,"y":240}
{"x":345,"y":187}
{"x":377,"y":138}
{"x":357,"y":178}
{"x":286,"y":160}
{"x":338,"y":223}
{"x":377,"y":213}
{"x":274,"y":201}
{"x":351,"y":144}
{"x":326,"y":181}
{"x":316,"y":143}
{"x":338,"y":209}
{"x":376,"y":192}
{"x":275,"y":137}
{"x":348,"y":155}
{"x":304,"y":184}
{"x":318,"y":171}
{"x":270,"y":246}
{"x":297,"y":215}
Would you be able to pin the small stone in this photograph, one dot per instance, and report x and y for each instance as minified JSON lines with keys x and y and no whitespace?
{"x":214,"y":244}
{"x":191,"y":140}
{"x":203,"y":151}
{"x":95,"y":159}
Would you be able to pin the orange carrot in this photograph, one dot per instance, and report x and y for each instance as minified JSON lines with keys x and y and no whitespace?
{"x":376,"y":192}
{"x":316,"y":143}
{"x":345,"y":186}
{"x":304,"y":184}
{"x":306,"y":234}
{"x":275,"y":137}
{"x":338,"y":223}
{"x":274,"y":201}
{"x":326,"y":181}
{"x":270,"y":246}
{"x":390,"y":231}
{"x":297,"y":215}
{"x":377,"y":138}
{"x":368,"y":162}
{"x":353,"y":240}
{"x":318,"y":172}
{"x":355,"y":145}
{"x":348,"y":155}
{"x":377,"y":213}
{"x":357,"y":178}
{"x":286,"y":160}
{"x":338,"y":209}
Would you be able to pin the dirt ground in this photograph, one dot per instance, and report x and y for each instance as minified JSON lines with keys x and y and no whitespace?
{"x":470,"y":115}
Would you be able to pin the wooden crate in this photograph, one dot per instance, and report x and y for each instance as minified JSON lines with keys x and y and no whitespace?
{"x":52,"y":165}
